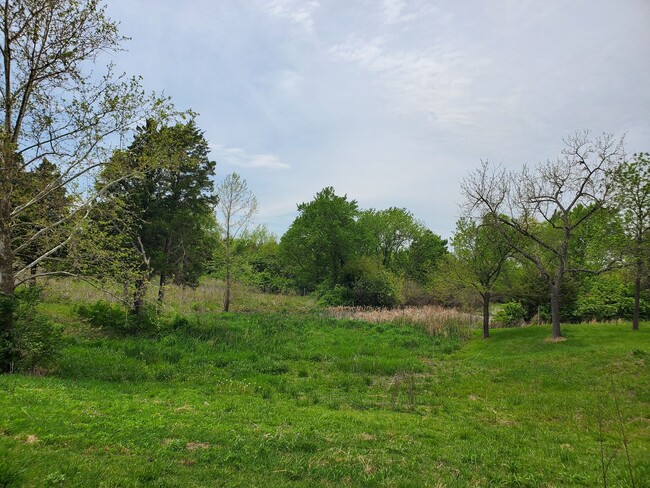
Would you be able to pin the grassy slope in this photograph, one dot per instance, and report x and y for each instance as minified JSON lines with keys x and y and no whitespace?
{"x":272,"y":400}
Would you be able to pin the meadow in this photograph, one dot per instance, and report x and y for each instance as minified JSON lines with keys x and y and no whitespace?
{"x":295,"y":396}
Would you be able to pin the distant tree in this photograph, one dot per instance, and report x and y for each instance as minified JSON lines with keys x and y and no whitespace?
{"x":481,"y":255}
{"x":538,"y":206}
{"x":424,"y":257}
{"x":389,"y":234}
{"x":40,"y":224}
{"x":321,"y":240}
{"x":632,"y":194}
{"x":235,"y":209}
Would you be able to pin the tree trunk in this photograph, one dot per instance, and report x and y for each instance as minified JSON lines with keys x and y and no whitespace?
{"x":555,"y":308}
{"x":226,"y":301}
{"x":486,"y":314}
{"x":138,"y":296}
{"x":163,"y":272}
{"x":32,"y":272}
{"x":7,"y":284}
{"x":161,"y":287}
{"x":637,"y":300}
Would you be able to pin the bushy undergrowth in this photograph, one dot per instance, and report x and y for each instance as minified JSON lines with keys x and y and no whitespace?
{"x":115,"y":318}
{"x":35,"y":342}
{"x":510,"y":314}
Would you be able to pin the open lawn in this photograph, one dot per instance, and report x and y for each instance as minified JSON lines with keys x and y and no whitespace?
{"x":254,"y":399}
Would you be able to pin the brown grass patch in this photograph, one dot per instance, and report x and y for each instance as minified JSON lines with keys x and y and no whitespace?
{"x":434,"y":319}
{"x":193,"y":446}
{"x":555,"y":339}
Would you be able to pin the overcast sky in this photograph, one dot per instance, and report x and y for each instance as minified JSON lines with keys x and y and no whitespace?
{"x":391,"y":102}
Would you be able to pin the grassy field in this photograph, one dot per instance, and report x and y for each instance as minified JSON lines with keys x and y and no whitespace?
{"x":302,"y":399}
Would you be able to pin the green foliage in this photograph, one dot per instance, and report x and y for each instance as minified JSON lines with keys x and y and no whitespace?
{"x":336,"y":296}
{"x":321,"y":240}
{"x":370,"y":284}
{"x":36,"y":342}
{"x":388,"y":234}
{"x":166,"y":208}
{"x":115,"y":318}
{"x":44,"y":222}
{"x":608,"y":297}
{"x":425,"y":256}
{"x":510,"y":314}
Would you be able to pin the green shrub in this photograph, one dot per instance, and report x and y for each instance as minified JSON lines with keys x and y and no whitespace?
{"x":608,"y":297}
{"x":104,"y":315}
{"x":115,"y":318}
{"x":511,"y":314}
{"x":370,"y":284}
{"x":339,"y":296}
{"x":35,"y":342}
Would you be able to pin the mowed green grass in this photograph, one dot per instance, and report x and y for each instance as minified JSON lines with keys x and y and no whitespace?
{"x":303,"y":400}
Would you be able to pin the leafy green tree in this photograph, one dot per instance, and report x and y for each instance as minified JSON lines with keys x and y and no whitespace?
{"x":321,"y":240}
{"x":632,"y":190}
{"x":236,"y":208}
{"x":388,"y":235}
{"x":425,"y":255}
{"x":263,"y":259}
{"x":171,"y":225}
{"x":52,"y":109}
{"x":481,"y":255}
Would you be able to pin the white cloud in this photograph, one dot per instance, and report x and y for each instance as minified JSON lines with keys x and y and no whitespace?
{"x":235,"y":156}
{"x":436,"y":81}
{"x":393,"y":12}
{"x":299,"y":12}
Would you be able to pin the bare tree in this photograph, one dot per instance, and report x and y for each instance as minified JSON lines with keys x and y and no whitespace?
{"x":235,"y":209}
{"x":54,"y":108}
{"x":544,"y":206}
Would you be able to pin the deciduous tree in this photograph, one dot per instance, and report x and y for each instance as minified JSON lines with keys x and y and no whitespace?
{"x":53,"y":108}
{"x":321,"y":240}
{"x":236,"y":208}
{"x":481,"y":254}
{"x":538,"y":204}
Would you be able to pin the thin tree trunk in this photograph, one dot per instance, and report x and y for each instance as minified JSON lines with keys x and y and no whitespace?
{"x":32,"y":272}
{"x":486,"y":314}
{"x":226,"y":301}
{"x":161,"y":287}
{"x":555,"y":308}
{"x":138,"y":296}
{"x":163,"y":272}
{"x":637,"y":300}
{"x":7,"y":284}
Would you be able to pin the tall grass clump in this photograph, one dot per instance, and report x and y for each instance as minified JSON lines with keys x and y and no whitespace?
{"x":115,"y":318}
{"x":435,"y":320}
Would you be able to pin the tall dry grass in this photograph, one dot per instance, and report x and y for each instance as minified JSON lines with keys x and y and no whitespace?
{"x":434,"y":319}
{"x":207,"y":297}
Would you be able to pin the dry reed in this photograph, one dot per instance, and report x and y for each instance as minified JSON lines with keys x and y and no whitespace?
{"x":434,"y":319}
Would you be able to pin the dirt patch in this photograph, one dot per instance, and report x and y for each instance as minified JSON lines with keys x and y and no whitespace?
{"x":555,"y":339}
{"x":193,"y":446}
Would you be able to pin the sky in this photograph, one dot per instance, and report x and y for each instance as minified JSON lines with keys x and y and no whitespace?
{"x":391,"y":102}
